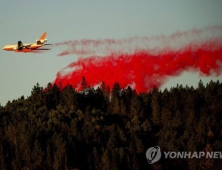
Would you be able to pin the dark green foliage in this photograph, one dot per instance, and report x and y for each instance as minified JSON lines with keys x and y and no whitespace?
{"x":102,"y":129}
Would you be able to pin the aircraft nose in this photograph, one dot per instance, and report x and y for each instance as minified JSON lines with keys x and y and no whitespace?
{"x":3,"y":48}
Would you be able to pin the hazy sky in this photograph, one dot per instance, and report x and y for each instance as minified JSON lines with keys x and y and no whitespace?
{"x":26,"y":20}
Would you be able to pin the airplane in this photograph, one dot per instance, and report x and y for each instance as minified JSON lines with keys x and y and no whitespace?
{"x":20,"y":47}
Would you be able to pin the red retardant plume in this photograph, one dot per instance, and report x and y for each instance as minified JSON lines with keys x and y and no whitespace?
{"x":143,"y":70}
{"x":105,"y":47}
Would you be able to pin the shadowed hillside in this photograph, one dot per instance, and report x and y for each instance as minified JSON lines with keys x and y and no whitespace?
{"x":110,"y":128}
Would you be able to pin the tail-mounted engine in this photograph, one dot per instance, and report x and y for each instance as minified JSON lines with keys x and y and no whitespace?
{"x":41,"y":41}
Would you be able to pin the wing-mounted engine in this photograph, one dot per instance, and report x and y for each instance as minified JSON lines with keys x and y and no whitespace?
{"x":19,"y":46}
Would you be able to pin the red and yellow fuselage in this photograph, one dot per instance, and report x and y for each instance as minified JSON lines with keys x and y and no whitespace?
{"x":20,"y":47}
{"x":30,"y":48}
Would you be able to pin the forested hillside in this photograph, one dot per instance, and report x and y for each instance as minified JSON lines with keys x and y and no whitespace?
{"x":110,"y":128}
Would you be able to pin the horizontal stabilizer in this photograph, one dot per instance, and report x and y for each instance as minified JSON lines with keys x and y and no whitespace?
{"x":41,"y":49}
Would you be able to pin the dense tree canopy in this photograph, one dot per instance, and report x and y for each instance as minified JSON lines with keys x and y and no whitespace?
{"x":100,"y":128}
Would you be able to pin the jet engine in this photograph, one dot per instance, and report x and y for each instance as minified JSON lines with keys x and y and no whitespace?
{"x":41,"y":41}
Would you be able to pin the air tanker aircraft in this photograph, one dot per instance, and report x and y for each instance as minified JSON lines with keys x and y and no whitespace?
{"x":20,"y":47}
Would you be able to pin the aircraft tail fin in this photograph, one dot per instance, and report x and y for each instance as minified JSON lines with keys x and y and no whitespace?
{"x":43,"y":36}
{"x":42,"y":39}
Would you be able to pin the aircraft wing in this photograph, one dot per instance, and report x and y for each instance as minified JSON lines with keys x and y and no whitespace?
{"x":27,"y":46}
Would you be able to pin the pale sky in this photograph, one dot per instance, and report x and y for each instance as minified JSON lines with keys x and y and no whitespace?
{"x":26,"y":20}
